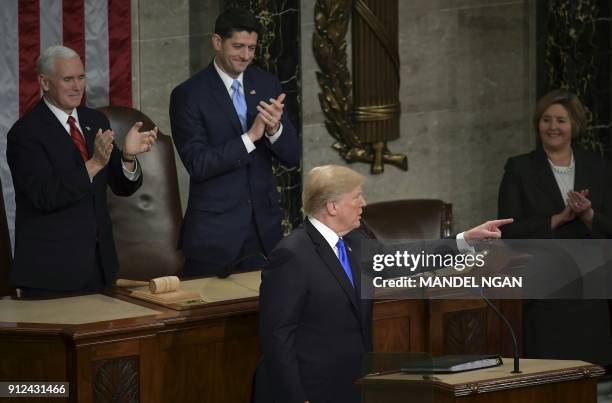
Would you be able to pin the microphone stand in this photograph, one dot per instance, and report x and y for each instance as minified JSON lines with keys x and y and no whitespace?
{"x":516,"y":369}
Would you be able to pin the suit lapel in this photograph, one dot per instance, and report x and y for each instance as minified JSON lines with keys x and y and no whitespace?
{"x":250,"y":94}
{"x":333,"y":265}
{"x":58,"y":132}
{"x":222,"y":98}
{"x":545,"y":180}
{"x":582,"y":169}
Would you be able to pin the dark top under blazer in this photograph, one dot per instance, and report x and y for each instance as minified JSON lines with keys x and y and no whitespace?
{"x":227,"y":184}
{"x":59,"y":212}
{"x":314,"y":326}
{"x":529,"y":193}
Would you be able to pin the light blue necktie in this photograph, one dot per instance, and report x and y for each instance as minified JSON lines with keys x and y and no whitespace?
{"x":239,"y":104}
{"x":344,"y":260}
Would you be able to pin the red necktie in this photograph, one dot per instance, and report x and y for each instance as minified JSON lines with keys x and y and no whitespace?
{"x":77,"y":137}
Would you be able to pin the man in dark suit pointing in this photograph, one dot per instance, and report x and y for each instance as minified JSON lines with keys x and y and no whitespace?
{"x":62,"y":157}
{"x":227,"y":124}
{"x":314,"y":325}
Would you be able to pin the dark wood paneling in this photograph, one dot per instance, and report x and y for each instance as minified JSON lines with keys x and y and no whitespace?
{"x":206,"y":354}
{"x":214,"y":362}
{"x":397,"y":326}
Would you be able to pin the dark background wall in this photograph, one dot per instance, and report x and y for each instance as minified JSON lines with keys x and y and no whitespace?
{"x":573,"y":51}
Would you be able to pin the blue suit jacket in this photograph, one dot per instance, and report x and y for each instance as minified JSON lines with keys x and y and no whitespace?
{"x":228,"y":186}
{"x":61,"y":215}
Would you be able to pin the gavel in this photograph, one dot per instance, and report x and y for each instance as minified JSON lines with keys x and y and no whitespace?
{"x":156,"y":285}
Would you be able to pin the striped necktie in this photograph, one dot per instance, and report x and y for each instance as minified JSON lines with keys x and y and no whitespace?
{"x":77,"y":138}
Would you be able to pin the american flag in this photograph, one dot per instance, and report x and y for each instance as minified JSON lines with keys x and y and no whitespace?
{"x":98,"y":30}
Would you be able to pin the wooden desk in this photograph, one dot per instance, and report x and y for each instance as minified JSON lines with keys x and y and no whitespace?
{"x":541,"y":381}
{"x":203,"y":354}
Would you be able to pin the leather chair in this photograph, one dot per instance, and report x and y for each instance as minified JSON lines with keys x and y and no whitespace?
{"x":408,"y":219}
{"x":6,"y":255}
{"x":146,"y":225}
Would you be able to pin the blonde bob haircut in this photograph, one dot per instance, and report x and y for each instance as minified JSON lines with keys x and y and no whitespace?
{"x":328,"y":183}
{"x":571,"y":103}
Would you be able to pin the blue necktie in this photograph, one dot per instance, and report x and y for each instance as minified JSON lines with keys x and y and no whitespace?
{"x":344,"y":260}
{"x":239,"y":104}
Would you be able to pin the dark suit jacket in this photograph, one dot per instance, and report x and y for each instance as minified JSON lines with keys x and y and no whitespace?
{"x":530,"y":194}
{"x":314,"y":326}
{"x":227,"y":184}
{"x":559,"y":328}
{"x":59,"y":213}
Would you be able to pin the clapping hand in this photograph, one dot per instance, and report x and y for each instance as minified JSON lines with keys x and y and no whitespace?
{"x":103,"y":146}
{"x":581,"y":206}
{"x":578,"y":205}
{"x":137,"y":142}
{"x":578,"y":201}
{"x":257,"y":129}
{"x":271,"y":113}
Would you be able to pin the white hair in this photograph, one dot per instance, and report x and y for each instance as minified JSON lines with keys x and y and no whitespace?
{"x":46,"y":61}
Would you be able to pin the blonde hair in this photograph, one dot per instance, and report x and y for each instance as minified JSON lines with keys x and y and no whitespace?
{"x":328,"y":183}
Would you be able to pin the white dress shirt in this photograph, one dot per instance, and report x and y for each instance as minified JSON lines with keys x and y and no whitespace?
{"x":330,"y":236}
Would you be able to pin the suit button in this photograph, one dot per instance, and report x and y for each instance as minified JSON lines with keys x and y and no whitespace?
{"x":249,"y":201}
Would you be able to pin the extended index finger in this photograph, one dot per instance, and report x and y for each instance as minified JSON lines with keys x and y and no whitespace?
{"x":500,"y":222}
{"x":492,"y":234}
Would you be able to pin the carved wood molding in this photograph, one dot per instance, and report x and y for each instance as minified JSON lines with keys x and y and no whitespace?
{"x":329,"y":47}
{"x":116,"y":380}
{"x":465,"y":332}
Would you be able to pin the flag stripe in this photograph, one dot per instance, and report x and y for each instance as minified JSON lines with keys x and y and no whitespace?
{"x":120,"y":52}
{"x":73,"y":17}
{"x":9,"y":97}
{"x":29,"y":48}
{"x":50,"y":23}
{"x":96,"y":53}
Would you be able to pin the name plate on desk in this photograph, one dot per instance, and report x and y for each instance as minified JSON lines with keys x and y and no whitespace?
{"x":203,"y":291}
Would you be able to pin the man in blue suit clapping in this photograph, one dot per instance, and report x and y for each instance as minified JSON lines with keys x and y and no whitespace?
{"x":227,"y":123}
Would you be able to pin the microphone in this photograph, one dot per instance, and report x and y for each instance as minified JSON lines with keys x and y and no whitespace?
{"x":516,"y":369}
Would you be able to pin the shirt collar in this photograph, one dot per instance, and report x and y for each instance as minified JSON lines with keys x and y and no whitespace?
{"x":330,"y":236}
{"x":61,"y":115}
{"x":227,"y":80}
